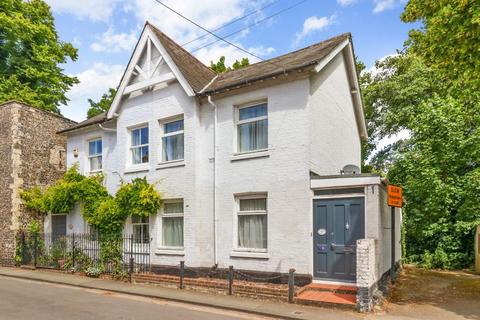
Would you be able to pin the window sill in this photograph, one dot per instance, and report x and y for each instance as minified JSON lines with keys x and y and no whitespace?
{"x":170,"y":252}
{"x":250,"y":254}
{"x":250,"y":155}
{"x":137,"y":168}
{"x":171,"y":164}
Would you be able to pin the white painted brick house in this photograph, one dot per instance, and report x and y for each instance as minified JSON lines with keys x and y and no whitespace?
{"x":247,"y":161}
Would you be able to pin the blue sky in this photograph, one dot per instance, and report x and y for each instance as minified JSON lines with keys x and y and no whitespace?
{"x":105,"y":32}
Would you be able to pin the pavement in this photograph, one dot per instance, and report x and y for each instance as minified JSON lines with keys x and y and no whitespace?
{"x":418,"y":294}
{"x":25,"y":299}
{"x":242,"y":305}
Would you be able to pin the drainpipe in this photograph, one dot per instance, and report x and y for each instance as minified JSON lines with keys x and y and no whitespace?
{"x":215,"y":260}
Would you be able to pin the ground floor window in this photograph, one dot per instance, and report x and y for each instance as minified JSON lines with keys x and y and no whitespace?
{"x":252,"y":222}
{"x":141,"y":232}
{"x":172,"y":224}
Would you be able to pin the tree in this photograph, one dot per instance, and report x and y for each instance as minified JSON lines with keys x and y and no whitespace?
{"x":422,"y":90}
{"x":30,"y":55}
{"x":102,"y":105}
{"x":220,"y":67}
{"x":439,"y":168}
{"x":448,"y":40}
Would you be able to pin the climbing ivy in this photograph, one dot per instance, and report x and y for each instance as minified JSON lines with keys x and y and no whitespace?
{"x":104,"y":212}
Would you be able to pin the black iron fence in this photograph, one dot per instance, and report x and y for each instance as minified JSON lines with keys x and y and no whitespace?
{"x":84,"y":252}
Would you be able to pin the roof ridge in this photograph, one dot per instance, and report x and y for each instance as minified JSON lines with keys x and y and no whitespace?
{"x":345,"y":34}
{"x":179,"y":46}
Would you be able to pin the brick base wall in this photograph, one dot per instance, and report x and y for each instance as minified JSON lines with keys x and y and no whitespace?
{"x":239,"y":287}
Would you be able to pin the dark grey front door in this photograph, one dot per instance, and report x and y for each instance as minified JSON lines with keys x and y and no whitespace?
{"x":59,"y":226}
{"x":337,"y":225}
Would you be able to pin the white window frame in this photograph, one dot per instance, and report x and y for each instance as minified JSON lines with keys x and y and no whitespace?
{"x":245,"y":213}
{"x":164,"y":215}
{"x":164,"y":122}
{"x":89,"y":156}
{"x":131,"y":147}
{"x":141,"y":224}
{"x":239,"y":122}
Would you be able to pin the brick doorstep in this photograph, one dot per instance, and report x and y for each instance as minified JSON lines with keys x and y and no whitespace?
{"x":329,"y":288}
{"x":319,"y":298}
{"x":327,"y":295}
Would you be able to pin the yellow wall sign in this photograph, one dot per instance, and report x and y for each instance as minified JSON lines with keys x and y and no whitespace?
{"x":394,"y":196}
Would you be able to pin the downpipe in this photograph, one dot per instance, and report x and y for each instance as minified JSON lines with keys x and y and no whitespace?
{"x":214,"y":195}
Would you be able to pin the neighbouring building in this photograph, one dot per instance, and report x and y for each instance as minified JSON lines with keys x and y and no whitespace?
{"x":258,"y":167}
{"x":31,"y":154}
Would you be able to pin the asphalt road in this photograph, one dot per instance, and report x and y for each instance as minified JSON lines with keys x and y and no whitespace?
{"x":24,"y":299}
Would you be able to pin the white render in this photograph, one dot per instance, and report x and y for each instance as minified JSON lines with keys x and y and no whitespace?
{"x":312,"y":127}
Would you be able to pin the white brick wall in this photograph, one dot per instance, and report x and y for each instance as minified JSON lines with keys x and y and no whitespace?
{"x":310,"y":128}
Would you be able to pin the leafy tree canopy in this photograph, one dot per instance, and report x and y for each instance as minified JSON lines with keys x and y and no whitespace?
{"x":220,"y":67}
{"x":102,"y":105}
{"x":448,"y":40}
{"x":30,"y":54}
{"x":430,"y":90}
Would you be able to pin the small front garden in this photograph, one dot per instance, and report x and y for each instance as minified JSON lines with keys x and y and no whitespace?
{"x":105,"y":214}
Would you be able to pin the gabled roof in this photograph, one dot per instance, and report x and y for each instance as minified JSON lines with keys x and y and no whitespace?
{"x":295,"y":60}
{"x":196,"y":73}
{"x":199,"y":80}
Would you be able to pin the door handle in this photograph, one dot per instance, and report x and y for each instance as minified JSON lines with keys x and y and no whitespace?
{"x":332,"y":246}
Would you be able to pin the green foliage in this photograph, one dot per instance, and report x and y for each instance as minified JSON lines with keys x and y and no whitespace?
{"x":448,"y":40}
{"x":102,"y":105}
{"x":220,"y":67}
{"x":105,"y":213}
{"x":440,"y":174}
{"x":93,"y":272}
{"x":33,"y":199}
{"x":31,"y":54}
{"x":138,"y":198}
{"x":82,"y":261}
{"x":108,"y":219}
{"x":431,"y":90}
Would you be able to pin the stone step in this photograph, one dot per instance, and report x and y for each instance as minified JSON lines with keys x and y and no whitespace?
{"x":327,"y":299}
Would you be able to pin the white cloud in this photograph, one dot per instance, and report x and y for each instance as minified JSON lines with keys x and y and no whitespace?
{"x":373,"y":70}
{"x":345,"y":3}
{"x":93,"y":83}
{"x":313,"y":24}
{"x":115,"y":42}
{"x":210,"y":14}
{"x":382,"y":5}
{"x":95,"y":10}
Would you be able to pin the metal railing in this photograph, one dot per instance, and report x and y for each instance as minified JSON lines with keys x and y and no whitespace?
{"x":79,"y":251}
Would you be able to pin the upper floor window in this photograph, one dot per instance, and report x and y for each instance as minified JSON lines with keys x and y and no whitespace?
{"x":252,"y":123}
{"x":172,"y":224}
{"x":95,"y":155}
{"x":252,"y":222}
{"x":139,"y":147}
{"x":172,"y":141}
